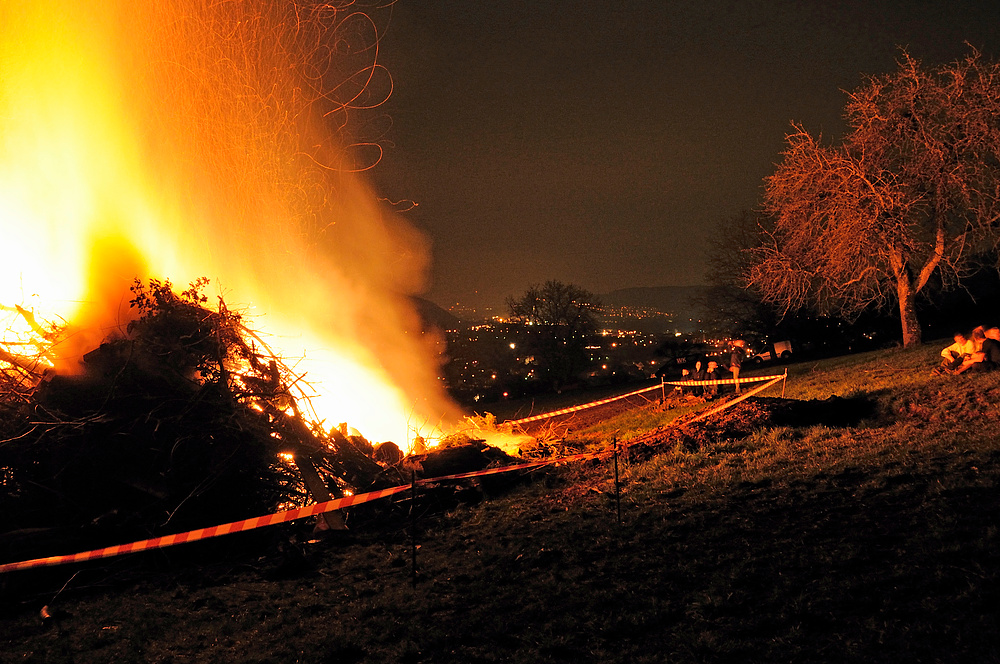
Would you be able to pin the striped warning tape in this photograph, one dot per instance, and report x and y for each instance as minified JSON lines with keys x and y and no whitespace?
{"x":507,"y":469}
{"x":681,"y":383}
{"x":262,"y":521}
{"x":732,"y":402}
{"x":205,"y":533}
{"x":721,"y":381}
{"x":330,"y":505}
{"x":573,"y":409}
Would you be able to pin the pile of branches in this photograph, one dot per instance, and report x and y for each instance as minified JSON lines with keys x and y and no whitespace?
{"x":185,"y":420}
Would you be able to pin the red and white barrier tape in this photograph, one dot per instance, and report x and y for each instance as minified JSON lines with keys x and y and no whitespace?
{"x":262,"y":521}
{"x":347,"y":501}
{"x":721,"y":381}
{"x":573,"y":409}
{"x":507,"y":469}
{"x":732,"y":402}
{"x":681,"y":383}
{"x":205,"y":533}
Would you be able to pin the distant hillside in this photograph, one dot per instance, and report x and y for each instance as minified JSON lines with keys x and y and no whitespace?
{"x":435,"y":316}
{"x":676,"y":300}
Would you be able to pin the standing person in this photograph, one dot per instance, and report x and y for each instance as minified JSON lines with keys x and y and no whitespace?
{"x":685,"y":376}
{"x":698,"y":374}
{"x":736,"y":358}
{"x":712,"y":391}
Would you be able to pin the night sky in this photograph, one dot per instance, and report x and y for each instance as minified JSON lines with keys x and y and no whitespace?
{"x":601,"y":143}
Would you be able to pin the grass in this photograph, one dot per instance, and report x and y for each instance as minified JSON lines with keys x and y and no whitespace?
{"x":811,"y":543}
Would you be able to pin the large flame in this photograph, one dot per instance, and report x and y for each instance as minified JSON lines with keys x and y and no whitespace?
{"x":181,"y":138}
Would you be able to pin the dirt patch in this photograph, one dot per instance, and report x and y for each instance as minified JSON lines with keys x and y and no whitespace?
{"x":753,"y":414}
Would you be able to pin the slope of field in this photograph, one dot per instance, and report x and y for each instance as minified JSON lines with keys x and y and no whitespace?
{"x":786,"y":534}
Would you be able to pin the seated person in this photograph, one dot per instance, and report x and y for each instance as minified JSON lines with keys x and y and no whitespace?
{"x":978,"y":336}
{"x":955,"y":354}
{"x":987,"y":357}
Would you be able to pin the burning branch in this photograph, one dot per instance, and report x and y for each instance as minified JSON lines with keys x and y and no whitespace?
{"x":26,"y":350}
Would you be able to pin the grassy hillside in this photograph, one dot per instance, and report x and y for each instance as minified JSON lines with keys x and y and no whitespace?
{"x":802,"y":542}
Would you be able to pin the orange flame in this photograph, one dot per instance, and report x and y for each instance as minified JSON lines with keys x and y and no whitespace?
{"x":183,"y":138}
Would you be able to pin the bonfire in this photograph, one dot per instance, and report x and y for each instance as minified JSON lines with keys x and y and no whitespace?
{"x":184,"y":138}
{"x":185,"y":420}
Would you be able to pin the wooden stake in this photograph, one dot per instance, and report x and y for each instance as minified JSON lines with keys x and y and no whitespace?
{"x":413,"y":525}
{"x":618,"y":493}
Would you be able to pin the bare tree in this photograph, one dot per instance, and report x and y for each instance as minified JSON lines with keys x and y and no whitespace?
{"x":562,"y":321}
{"x":913,"y":190}
{"x":731,"y":308}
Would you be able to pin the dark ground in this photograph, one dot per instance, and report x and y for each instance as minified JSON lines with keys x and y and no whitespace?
{"x":875,"y":542}
{"x":826,"y":569}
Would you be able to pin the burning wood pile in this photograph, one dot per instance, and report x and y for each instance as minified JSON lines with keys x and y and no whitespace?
{"x":185,"y":420}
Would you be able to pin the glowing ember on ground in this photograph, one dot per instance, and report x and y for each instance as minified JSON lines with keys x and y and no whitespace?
{"x":180,"y":139}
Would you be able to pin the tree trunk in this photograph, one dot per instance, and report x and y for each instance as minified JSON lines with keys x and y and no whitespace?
{"x":908,"y":311}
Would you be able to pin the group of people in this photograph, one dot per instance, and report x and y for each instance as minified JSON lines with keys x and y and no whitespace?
{"x":979,"y":351}
{"x":712,"y":371}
